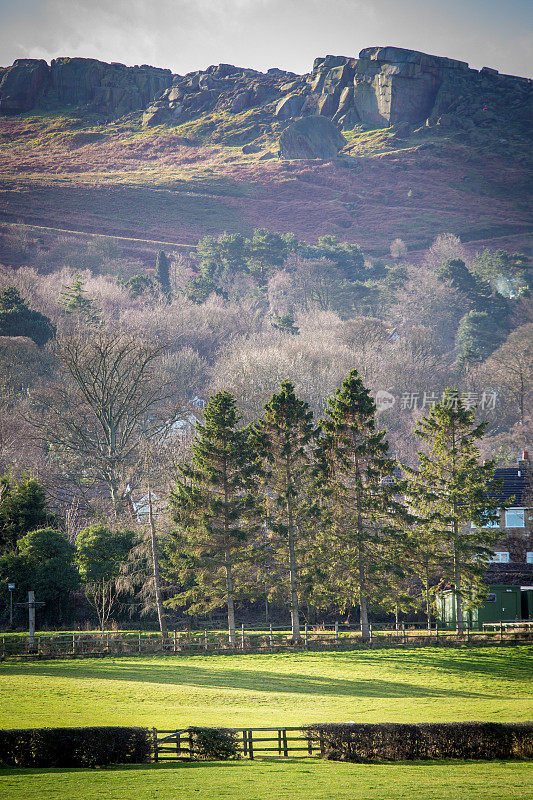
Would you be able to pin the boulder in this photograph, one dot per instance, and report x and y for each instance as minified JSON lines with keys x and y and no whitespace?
{"x":241,"y":101}
{"x":290,"y":106}
{"x":311,"y":137}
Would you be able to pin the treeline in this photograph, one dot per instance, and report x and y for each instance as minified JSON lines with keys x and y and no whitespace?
{"x":307,"y":515}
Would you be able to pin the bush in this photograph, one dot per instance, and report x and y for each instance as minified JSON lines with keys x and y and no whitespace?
{"x":214,"y":744}
{"x":401,"y":742}
{"x":74,"y":747}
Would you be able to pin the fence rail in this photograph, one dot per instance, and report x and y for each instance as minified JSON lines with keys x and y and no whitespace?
{"x":178,"y":744}
{"x":96,"y":643}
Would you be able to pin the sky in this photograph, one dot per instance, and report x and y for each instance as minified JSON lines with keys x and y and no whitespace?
{"x":185,"y":35}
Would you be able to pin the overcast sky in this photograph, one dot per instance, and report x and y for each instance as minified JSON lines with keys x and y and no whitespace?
{"x":185,"y":35}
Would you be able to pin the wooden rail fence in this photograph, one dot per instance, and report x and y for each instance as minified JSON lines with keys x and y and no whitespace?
{"x":276,"y":742}
{"x":97,"y":643}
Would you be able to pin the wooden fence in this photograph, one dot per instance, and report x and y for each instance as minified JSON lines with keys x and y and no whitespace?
{"x":275,"y":742}
{"x":96,"y":643}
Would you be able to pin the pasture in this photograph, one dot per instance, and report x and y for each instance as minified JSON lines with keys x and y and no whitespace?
{"x":394,"y":685}
{"x":422,"y":684}
{"x":269,"y":780}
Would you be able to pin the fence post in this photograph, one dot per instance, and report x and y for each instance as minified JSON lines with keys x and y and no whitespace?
{"x":336,"y":633}
{"x":501,"y":631}
{"x":436,"y":633}
{"x":3,"y":646}
{"x":467,"y":630}
{"x":305,"y":636}
{"x":242,"y":636}
{"x":107,"y":642}
{"x":205,"y":639}
{"x":279,"y":741}
{"x":250,"y":744}
{"x":154,"y":744}
{"x":73,"y":643}
{"x":285,"y":748}
{"x":370,"y":633}
{"x":271,"y":638}
{"x":191,"y":743}
{"x":403,"y":633}
{"x":321,"y":742}
{"x":140,"y":632}
{"x":175,"y":641}
{"x":245,"y":742}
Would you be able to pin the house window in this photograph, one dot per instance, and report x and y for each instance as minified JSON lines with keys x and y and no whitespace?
{"x":491,"y":598}
{"x":515,"y":518}
{"x":500,"y":557}
{"x":529,"y":557}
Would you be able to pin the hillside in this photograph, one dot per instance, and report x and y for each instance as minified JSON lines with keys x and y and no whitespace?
{"x":395,"y":144}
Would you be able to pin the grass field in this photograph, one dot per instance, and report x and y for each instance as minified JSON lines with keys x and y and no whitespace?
{"x":423,"y":684}
{"x":264,"y":780}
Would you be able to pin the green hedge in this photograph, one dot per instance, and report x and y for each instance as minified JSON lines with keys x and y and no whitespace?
{"x":214,"y":744}
{"x":74,"y":747}
{"x":402,"y":742}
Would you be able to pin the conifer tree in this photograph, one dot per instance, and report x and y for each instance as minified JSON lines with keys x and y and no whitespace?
{"x":214,"y":507}
{"x":163,"y":273}
{"x":359,"y":487}
{"x":74,"y":299}
{"x":451,"y":490}
{"x":284,"y":437}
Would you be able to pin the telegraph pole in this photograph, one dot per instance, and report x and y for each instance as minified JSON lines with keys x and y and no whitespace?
{"x":11,"y":587}
{"x":31,"y":606}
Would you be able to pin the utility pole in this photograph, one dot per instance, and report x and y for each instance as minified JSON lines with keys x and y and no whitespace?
{"x":11,"y":587}
{"x":31,"y":606}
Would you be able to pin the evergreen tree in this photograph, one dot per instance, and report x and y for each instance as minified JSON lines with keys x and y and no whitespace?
{"x":74,"y":299}
{"x":283,"y":437}
{"x":451,"y":490}
{"x":162,"y":271}
{"x":16,"y":319}
{"x":214,"y":507}
{"x":49,"y":556}
{"x":358,"y":482}
{"x":23,"y":508}
{"x":477,"y":337}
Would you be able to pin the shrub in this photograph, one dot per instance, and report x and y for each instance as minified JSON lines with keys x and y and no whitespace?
{"x":74,"y":747}
{"x":214,"y":744}
{"x":402,"y":742}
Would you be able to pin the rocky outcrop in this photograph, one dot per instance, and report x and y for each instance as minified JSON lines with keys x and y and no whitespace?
{"x":21,"y":84}
{"x":221,"y":87}
{"x":392,"y":86}
{"x":111,"y":89}
{"x":311,"y":137}
{"x":385,"y":86}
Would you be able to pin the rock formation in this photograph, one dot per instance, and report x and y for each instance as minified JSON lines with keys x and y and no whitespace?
{"x":385,"y":86}
{"x":111,"y":89}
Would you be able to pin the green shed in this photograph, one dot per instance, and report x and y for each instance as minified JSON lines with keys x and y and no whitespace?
{"x":506,"y":603}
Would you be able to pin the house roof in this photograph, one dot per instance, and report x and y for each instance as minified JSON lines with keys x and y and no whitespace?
{"x":516,"y":485}
{"x":511,"y":573}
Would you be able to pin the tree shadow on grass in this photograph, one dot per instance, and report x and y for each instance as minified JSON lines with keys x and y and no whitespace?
{"x":240,"y":679}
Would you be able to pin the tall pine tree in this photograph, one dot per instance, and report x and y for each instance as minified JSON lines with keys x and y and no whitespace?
{"x":359,"y":488}
{"x":284,"y":437}
{"x":450,"y":491}
{"x":214,"y":506}
{"x":162,"y":271}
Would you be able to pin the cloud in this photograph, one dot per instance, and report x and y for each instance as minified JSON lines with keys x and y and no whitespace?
{"x":191,"y":34}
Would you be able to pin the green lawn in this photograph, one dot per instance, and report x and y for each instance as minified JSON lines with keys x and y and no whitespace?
{"x":423,"y":684}
{"x":268,"y":780}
